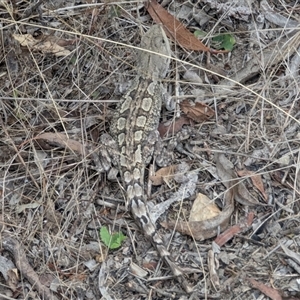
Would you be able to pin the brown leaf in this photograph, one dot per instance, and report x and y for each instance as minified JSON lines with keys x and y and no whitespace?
{"x":268,"y":291}
{"x":198,"y":112}
{"x":201,"y":230}
{"x":228,"y":176}
{"x":228,"y":234}
{"x":151,"y":265}
{"x":63,"y":141}
{"x":167,"y":128}
{"x":209,"y":228}
{"x":256,"y":180}
{"x":203,"y":209}
{"x":163,"y":174}
{"x":47,"y":45}
{"x":175,"y":29}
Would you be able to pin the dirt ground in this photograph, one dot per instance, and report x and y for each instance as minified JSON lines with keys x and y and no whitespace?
{"x":231,"y":129}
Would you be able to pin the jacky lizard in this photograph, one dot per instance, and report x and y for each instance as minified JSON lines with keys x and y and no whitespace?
{"x":134,"y":128}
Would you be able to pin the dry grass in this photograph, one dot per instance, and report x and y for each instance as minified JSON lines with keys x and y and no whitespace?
{"x":53,"y":201}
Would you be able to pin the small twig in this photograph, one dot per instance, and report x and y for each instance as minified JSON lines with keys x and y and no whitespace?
{"x":13,"y":246}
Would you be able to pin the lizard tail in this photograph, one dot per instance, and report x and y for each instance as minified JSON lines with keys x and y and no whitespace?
{"x":140,"y":212}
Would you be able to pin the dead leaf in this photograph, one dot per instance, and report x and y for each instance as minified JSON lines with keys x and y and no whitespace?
{"x":256,"y":180}
{"x":137,"y":270}
{"x":163,"y":175}
{"x":268,"y":291}
{"x":45,"y":45}
{"x":293,"y":255}
{"x":228,"y":234}
{"x":228,"y":177}
{"x":12,"y":279}
{"x":76,"y":277}
{"x":63,"y":141}
{"x":203,"y":208}
{"x":202,"y":230}
{"x":209,"y":228}
{"x":151,"y":265}
{"x":16,"y":249}
{"x":213,"y":266}
{"x":175,"y":29}
{"x":198,"y":112}
{"x":170,"y":128}
{"x":21,"y":208}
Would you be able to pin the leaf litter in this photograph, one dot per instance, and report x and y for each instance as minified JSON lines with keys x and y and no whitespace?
{"x":53,"y":200}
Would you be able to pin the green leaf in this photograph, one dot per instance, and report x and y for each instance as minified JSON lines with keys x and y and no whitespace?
{"x":105,"y":235}
{"x":200,"y":34}
{"x":112,"y":241}
{"x":117,"y":239}
{"x":225,"y":41}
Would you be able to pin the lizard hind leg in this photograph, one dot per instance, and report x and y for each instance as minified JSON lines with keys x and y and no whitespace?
{"x":149,"y":146}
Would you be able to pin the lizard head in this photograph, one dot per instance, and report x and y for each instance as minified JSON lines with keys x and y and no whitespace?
{"x":154,"y":64}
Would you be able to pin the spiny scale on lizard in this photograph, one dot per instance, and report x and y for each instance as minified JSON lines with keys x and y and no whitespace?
{"x":134,"y":128}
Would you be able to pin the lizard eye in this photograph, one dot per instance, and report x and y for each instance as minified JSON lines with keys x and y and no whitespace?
{"x":158,"y":42}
